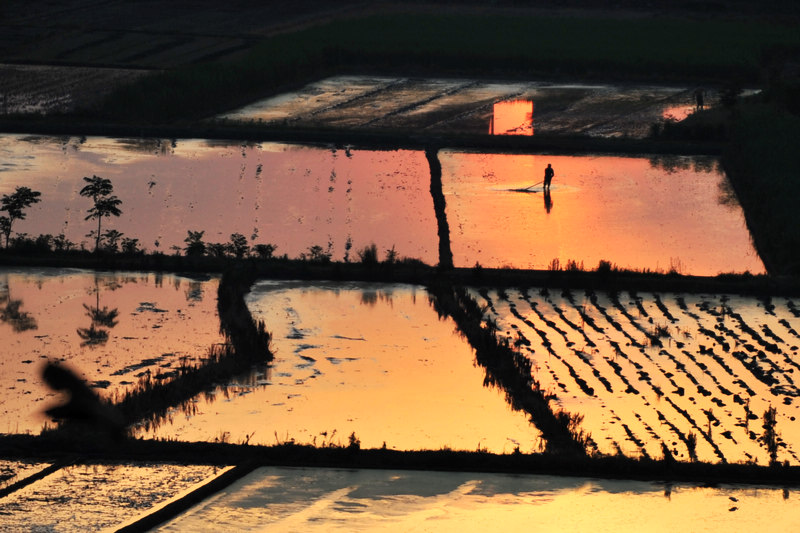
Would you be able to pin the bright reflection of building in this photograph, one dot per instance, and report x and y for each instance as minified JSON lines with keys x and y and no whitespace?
{"x":513,"y":117}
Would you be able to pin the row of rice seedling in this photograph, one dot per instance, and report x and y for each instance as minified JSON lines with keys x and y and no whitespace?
{"x":690,"y":376}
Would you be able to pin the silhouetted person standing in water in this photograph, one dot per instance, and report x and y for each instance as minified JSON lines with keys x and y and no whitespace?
{"x":698,"y":98}
{"x":548,"y":176}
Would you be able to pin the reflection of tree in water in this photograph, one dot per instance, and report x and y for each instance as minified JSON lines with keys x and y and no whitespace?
{"x":11,"y":312}
{"x":194,"y":291}
{"x":148,"y":146}
{"x":726,"y":195}
{"x":370,"y":297}
{"x":675,"y":163}
{"x":95,"y":335}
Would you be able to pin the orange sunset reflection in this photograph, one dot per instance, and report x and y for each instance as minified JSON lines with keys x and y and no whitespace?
{"x":514,"y":117}
{"x":161,"y":320}
{"x":373,"y":359}
{"x":673,"y":214}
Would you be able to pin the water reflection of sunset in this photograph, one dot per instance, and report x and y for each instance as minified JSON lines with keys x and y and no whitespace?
{"x":353,"y":500}
{"x":364,"y":358}
{"x":513,"y":117}
{"x":161,"y":319}
{"x":289,"y":195}
{"x":621,"y":209}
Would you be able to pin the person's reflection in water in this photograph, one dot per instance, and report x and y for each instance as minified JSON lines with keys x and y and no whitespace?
{"x":548,"y":201}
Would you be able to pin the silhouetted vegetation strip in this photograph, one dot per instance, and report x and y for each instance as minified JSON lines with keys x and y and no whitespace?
{"x":525,"y":45}
{"x":509,"y":370}
{"x":250,"y":339}
{"x":411,"y":271}
{"x":223,"y":454}
{"x":397,"y":139}
{"x":440,"y":208}
{"x":173,"y":509}
{"x":762,"y":164}
{"x":248,"y":345}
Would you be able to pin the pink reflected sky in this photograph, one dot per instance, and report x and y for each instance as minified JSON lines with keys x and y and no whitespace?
{"x":289,"y":195}
{"x":620,"y":209}
{"x":161,"y":318}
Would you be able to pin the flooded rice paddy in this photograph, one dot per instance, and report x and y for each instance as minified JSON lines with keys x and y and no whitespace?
{"x":374,"y":360}
{"x":286,"y":499}
{"x":476,"y":107}
{"x":650,"y":369}
{"x":97,"y":497}
{"x":694,"y":373}
{"x":112,"y":328}
{"x":657,"y":213}
{"x":291,"y":196}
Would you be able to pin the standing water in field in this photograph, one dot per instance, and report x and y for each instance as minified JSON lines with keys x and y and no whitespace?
{"x":372,"y":360}
{"x":291,"y":196}
{"x":112,"y":328}
{"x":303,"y":499}
{"x":692,"y":374}
{"x":660,"y":214}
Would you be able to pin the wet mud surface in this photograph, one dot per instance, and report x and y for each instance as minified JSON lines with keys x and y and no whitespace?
{"x":38,"y":89}
{"x":96,"y":497}
{"x":451,"y":106}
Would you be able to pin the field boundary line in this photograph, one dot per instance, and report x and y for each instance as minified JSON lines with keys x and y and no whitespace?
{"x":171,"y":509}
{"x":41,"y":474}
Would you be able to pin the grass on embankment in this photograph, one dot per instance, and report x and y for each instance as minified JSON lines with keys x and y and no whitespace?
{"x":56,"y":447}
{"x":498,"y":46}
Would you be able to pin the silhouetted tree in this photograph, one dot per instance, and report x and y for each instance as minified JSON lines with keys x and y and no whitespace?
{"x":15,"y":204}
{"x":130,"y":246}
{"x":264,"y":251}
{"x":5,"y":228}
{"x":105,"y":204}
{"x":218,"y":249}
{"x":61,"y":243}
{"x":239,"y":245}
{"x":369,"y":254}
{"x":112,"y":238}
{"x":316,"y":253}
{"x":194,"y":243}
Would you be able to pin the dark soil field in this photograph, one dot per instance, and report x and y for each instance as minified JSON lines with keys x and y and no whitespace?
{"x":150,"y":34}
